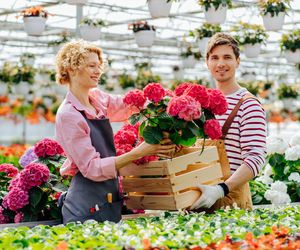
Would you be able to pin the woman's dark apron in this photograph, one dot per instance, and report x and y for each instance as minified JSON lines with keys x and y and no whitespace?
{"x":87,"y":199}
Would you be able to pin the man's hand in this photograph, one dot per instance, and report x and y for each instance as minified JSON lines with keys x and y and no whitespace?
{"x":210,"y":194}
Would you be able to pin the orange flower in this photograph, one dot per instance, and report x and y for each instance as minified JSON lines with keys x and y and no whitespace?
{"x":62,"y":246}
{"x":49,"y":116}
{"x":33,"y":118}
{"x":4,"y":99}
{"x":4,"y":110}
{"x":34,"y":11}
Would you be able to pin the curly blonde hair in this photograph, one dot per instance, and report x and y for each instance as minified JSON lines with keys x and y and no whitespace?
{"x":72,"y":56}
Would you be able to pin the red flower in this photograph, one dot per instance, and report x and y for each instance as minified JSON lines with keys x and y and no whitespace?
{"x":213,"y":129}
{"x":154,"y":92}
{"x":125,"y":137}
{"x":199,"y":93}
{"x":123,"y":148}
{"x":19,"y":217}
{"x":146,"y":159}
{"x":3,"y":218}
{"x":135,"y":97}
{"x":218,"y":104}
{"x":47,"y":147}
{"x":181,"y":88}
{"x":16,"y":199}
{"x":9,"y":169}
{"x":185,"y":107}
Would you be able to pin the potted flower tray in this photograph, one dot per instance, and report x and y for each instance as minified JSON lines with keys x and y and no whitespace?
{"x":172,"y":184}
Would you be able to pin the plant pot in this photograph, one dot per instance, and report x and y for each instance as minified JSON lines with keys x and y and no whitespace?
{"x":273,"y":23}
{"x":159,"y":8}
{"x":203,"y":43}
{"x":292,"y":57}
{"x":214,"y":16}
{"x":76,"y":1}
{"x":34,"y":25}
{"x":252,"y":50}
{"x":189,"y":62}
{"x":90,"y":33}
{"x":144,"y":38}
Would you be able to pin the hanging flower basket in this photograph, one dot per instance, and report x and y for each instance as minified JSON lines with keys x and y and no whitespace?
{"x":159,"y":8}
{"x":273,"y":23}
{"x":145,"y":38}
{"x":292,"y":56}
{"x":215,"y":16}
{"x":34,"y":25}
{"x":189,"y":62}
{"x":81,"y":2}
{"x":252,"y":50}
{"x":90,"y":33}
{"x":202,"y":43}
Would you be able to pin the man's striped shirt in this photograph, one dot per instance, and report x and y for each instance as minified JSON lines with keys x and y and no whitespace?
{"x":245,"y":141}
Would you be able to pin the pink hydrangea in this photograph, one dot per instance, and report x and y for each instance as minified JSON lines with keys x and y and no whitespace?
{"x":154,"y":92}
{"x":199,"y":93}
{"x":212,"y":128}
{"x":218,"y":104}
{"x":3,"y":218}
{"x":146,"y":159}
{"x":33,"y":175}
{"x":135,"y":97}
{"x":125,"y":137}
{"x":9,"y":169}
{"x":123,"y":148}
{"x":185,"y":107}
{"x":19,"y":217}
{"x":47,"y":147}
{"x":169,"y":92}
{"x":14,"y":182}
{"x":179,"y":90}
{"x":133,"y":128}
{"x":16,"y":199}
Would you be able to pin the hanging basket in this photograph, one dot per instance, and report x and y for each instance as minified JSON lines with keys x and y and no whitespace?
{"x":214,"y":16}
{"x":189,"y":62}
{"x":252,"y":50}
{"x":90,"y":33}
{"x":145,"y":38}
{"x":34,"y":25}
{"x":293,"y":57}
{"x":159,"y":8}
{"x":81,"y":2}
{"x":273,"y":23}
{"x":203,"y":43}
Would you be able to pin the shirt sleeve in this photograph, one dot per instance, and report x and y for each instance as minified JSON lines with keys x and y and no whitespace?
{"x":76,"y":141}
{"x":253,"y":135}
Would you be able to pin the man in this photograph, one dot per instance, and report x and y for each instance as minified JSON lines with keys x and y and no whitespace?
{"x":245,"y":140}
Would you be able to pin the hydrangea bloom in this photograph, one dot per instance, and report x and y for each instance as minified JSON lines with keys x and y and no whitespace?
{"x":28,"y":157}
{"x":154,"y":92}
{"x":145,"y":159}
{"x":125,"y":137}
{"x":268,"y":171}
{"x":277,"y":197}
{"x":185,"y":107}
{"x":279,"y":186}
{"x":123,"y":148}
{"x":179,"y":90}
{"x":213,"y":129}
{"x":199,"y":93}
{"x":265,"y":179}
{"x":276,"y":144}
{"x":217,"y":104}
{"x":19,"y":217}
{"x":295,"y":140}
{"x":3,"y":219}
{"x":9,"y":169}
{"x":14,"y":182}
{"x":293,"y":153}
{"x":16,"y":199}
{"x":47,"y":147}
{"x":294,"y":177}
{"x":135,"y":97}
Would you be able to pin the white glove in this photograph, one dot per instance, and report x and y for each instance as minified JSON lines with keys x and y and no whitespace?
{"x":210,"y":194}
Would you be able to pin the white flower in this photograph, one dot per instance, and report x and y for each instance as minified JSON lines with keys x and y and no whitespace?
{"x":265,"y":179}
{"x":294,"y":177}
{"x":276,"y":144}
{"x":279,"y":186}
{"x":293,"y":153}
{"x":268,"y":171}
{"x":277,"y":197}
{"x":295,"y":140}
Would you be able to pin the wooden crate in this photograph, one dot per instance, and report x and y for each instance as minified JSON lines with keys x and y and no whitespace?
{"x":171,"y":184}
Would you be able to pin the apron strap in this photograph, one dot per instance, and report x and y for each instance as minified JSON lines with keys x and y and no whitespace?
{"x":233,"y":113}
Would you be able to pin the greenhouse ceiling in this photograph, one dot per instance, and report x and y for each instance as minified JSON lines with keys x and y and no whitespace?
{"x":118,"y":42}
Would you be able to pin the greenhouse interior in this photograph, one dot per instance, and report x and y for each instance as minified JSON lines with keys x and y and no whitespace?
{"x":150,"y":124}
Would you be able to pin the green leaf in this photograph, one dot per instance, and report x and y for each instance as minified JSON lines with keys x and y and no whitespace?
{"x":152,"y":135}
{"x":134,"y":118}
{"x":195,"y":130}
{"x":35,"y":195}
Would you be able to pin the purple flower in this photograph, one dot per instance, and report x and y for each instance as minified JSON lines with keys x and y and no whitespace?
{"x":28,"y":157}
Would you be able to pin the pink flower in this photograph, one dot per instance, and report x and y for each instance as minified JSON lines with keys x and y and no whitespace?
{"x":133,"y":128}
{"x":9,"y":169}
{"x":199,"y":93}
{"x":125,"y":137}
{"x":218,"y":104}
{"x":135,"y":97}
{"x":19,"y":217}
{"x":123,"y":148}
{"x":146,"y":159}
{"x":154,"y":92}
{"x":16,"y":199}
{"x":181,"y":88}
{"x":212,"y":128}
{"x":47,"y":147}
{"x":14,"y":182}
{"x":3,"y":218}
{"x":33,"y":175}
{"x":169,"y":92}
{"x":185,"y":107}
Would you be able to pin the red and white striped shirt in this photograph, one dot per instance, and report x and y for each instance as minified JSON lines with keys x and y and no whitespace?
{"x":245,"y":141}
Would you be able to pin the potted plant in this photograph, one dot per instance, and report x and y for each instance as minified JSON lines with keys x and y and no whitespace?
{"x":251,"y":36}
{"x":34,"y":19}
{"x":273,"y":12}
{"x":160,"y":8}
{"x":77,"y":2}
{"x":126,"y":81}
{"x":144,"y":33}
{"x":215,"y":10}
{"x":204,"y":33}
{"x":57,"y":44}
{"x":90,"y":29}
{"x":190,"y":57}
{"x":290,"y":44}
{"x":287,"y":94}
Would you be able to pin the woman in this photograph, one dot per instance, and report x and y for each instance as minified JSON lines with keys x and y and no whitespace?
{"x":84,"y":131}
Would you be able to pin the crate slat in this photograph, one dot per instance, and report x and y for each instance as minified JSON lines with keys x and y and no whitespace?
{"x":147,"y":185}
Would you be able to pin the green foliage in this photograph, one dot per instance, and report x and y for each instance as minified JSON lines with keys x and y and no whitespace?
{"x":290,"y":41}
{"x":144,"y":75}
{"x":258,"y":190}
{"x":191,"y":52}
{"x":251,"y":86}
{"x":15,"y":74}
{"x":214,"y":3}
{"x":206,"y":30}
{"x":274,"y":7}
{"x":93,"y":22}
{"x":126,"y":80}
{"x":286,"y":91}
